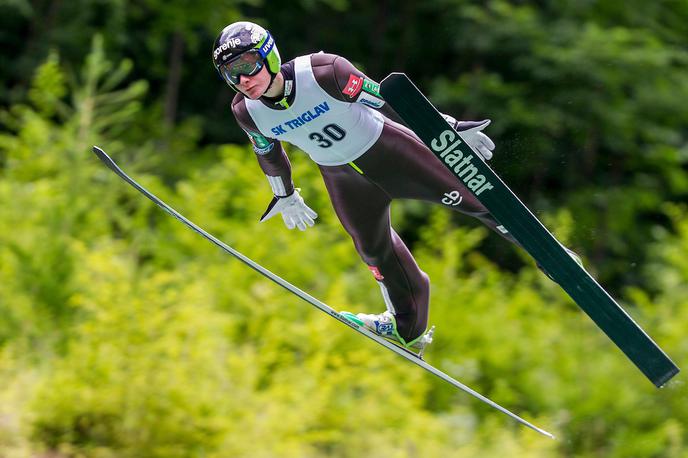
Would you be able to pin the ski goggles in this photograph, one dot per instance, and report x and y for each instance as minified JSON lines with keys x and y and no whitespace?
{"x":248,"y":63}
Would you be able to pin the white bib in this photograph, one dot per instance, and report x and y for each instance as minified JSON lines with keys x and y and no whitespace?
{"x":332,"y":132}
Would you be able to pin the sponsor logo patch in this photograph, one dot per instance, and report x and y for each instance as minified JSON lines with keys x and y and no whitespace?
{"x":376,"y":273}
{"x":452,"y":198}
{"x":265,"y":150}
{"x":261,"y":145}
{"x":258,"y":139}
{"x":265,"y":49}
{"x":370,"y":101}
{"x":354,"y":86}
{"x":384,"y":328}
{"x":371,"y":87}
{"x":256,"y":33}
{"x":231,"y":43}
{"x":446,"y":145}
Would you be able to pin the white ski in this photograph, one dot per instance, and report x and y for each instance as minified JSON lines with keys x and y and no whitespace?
{"x":414,"y":358}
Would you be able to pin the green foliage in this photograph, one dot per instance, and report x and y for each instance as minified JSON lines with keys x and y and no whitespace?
{"x":49,"y":87}
{"x":124,"y":334}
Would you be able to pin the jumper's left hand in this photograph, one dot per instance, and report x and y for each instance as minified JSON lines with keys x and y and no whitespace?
{"x":471,"y":133}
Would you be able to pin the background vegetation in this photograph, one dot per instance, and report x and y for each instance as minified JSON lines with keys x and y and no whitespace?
{"x":123,"y":334}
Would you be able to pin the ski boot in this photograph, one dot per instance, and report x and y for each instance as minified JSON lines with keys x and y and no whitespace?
{"x":385,"y":325}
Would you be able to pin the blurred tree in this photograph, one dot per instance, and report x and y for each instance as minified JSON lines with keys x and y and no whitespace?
{"x":586,"y":114}
{"x":46,"y":147}
{"x":125,"y":334}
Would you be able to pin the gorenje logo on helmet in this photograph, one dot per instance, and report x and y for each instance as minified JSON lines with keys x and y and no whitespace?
{"x":231,"y":43}
{"x":460,"y":164}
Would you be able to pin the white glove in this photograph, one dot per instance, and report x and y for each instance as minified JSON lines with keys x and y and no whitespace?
{"x":470,"y":132}
{"x":295,"y":212}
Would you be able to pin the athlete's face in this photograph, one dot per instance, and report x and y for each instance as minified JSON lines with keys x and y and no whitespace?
{"x":254,"y":86}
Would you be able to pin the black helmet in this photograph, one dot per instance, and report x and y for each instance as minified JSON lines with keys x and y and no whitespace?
{"x":242,"y":48}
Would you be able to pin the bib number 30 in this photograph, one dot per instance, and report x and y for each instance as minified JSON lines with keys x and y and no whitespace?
{"x":332,"y":132}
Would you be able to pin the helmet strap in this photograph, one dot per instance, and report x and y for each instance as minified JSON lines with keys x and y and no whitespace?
{"x":272,"y":80}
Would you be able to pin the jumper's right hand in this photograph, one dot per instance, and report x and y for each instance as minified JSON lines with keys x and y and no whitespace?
{"x":294,"y":210}
{"x":471,"y":133}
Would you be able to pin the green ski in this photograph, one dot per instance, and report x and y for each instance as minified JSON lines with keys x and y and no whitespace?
{"x":424,"y":119}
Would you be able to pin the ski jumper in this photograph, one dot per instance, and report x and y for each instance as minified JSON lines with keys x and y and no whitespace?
{"x":366,"y":161}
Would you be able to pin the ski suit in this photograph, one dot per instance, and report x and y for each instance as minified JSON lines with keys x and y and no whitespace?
{"x":366,"y":159}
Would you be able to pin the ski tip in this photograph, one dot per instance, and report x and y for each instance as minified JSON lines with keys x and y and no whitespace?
{"x":393,"y":76}
{"x":107,"y":160}
{"x":102,"y":155}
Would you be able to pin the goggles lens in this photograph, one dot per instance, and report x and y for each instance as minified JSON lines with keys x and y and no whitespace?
{"x":248,"y":63}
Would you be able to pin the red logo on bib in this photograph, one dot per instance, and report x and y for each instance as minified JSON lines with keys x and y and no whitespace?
{"x":353,"y":87}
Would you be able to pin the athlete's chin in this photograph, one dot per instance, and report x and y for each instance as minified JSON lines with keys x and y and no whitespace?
{"x":254,"y":93}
